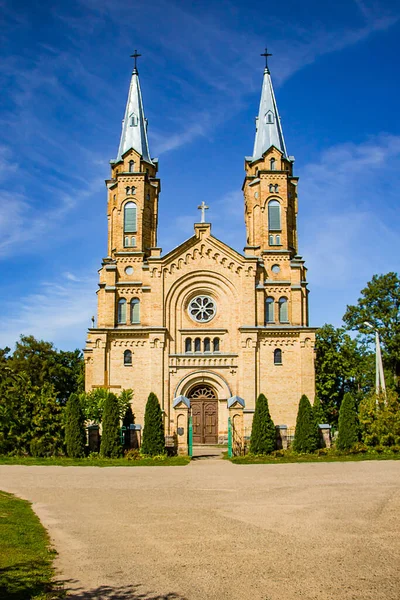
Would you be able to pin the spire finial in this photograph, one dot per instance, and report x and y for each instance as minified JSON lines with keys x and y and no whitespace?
{"x":135,"y":56}
{"x":266,"y":54}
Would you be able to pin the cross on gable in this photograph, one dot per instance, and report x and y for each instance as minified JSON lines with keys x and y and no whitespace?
{"x":203,"y":207}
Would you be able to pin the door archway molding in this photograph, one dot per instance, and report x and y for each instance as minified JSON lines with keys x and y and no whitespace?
{"x":215,"y":380}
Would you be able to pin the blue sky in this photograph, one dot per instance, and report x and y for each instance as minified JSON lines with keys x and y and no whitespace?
{"x":64,"y":78}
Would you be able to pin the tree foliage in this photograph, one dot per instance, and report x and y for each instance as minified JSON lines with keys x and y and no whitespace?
{"x":47,"y":423}
{"x":75,"y":432}
{"x":379,"y":305}
{"x":342,"y":364}
{"x":380,"y":419}
{"x":318,"y":411}
{"x":348,"y":423}
{"x":93,"y":403}
{"x":263,"y":433}
{"x":110,"y":446}
{"x":153,"y":442}
{"x":306,"y":437}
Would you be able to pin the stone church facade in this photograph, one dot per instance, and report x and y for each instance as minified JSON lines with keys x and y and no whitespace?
{"x":204,"y":327}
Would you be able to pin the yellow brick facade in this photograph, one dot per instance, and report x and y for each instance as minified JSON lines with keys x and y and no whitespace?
{"x":243,"y":363}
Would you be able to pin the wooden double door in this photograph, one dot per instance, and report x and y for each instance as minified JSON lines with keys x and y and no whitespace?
{"x":204,"y":407}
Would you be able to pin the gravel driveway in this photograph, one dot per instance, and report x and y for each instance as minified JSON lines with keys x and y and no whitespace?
{"x":214,"y":530}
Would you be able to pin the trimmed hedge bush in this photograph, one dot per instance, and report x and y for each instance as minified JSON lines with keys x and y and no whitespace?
{"x":110,"y":446}
{"x":153,"y":443}
{"x":306,"y":437}
{"x":263,"y":435}
{"x":348,"y":423}
{"x":75,"y":433}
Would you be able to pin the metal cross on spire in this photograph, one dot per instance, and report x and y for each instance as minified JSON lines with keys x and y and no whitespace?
{"x":203,"y":207}
{"x":135,"y":56}
{"x":266,"y":54}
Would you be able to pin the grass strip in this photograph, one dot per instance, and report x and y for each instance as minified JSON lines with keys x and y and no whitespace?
{"x":310,"y":458}
{"x":26,"y":556}
{"x":63,"y":461}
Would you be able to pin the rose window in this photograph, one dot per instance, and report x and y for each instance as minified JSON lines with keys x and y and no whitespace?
{"x":202,"y":309}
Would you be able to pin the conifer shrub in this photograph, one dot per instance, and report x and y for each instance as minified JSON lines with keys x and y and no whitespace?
{"x":319,"y":414}
{"x":348,"y":423}
{"x":110,"y":446}
{"x":306,"y":437}
{"x":75,"y":432}
{"x":263,"y":434}
{"x":153,"y":443}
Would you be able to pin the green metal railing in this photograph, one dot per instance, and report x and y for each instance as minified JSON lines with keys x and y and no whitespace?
{"x":190,"y":436}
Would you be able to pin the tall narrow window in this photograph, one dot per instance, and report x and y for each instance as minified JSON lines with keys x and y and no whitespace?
{"x":188,"y":345}
{"x":133,"y":241}
{"x":128,"y":190}
{"x":130,"y":217}
{"x":126,"y":241}
{"x":122,"y":310}
{"x":283,"y":310}
{"x":272,"y":164}
{"x":269,"y":310}
{"x":207,"y":345}
{"x":216,"y":345}
{"x":269,"y":118}
{"x":135,"y":310}
{"x":271,"y":187}
{"x":278,"y":356}
{"x":276,"y":190}
{"x":274,"y":215}
{"x":127,"y":358}
{"x":197,"y":345}
{"x":131,"y":166}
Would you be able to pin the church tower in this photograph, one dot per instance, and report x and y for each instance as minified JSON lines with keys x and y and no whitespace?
{"x":133,"y":188}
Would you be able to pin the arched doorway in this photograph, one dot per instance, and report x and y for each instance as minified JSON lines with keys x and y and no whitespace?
{"x":204,"y":407}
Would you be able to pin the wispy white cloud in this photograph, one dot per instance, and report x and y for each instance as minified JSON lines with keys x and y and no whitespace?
{"x":58,"y":310}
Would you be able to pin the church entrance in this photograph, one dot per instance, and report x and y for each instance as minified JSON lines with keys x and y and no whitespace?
{"x":204,"y":405}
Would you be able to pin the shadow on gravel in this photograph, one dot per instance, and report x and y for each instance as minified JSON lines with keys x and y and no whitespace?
{"x":129,"y":592}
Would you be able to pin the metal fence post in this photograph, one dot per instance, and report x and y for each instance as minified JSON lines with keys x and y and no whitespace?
{"x":190,"y":436}
{"x":230,"y":453}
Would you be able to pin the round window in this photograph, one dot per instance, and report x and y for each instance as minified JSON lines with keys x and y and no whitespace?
{"x":202,"y":309}
{"x":275,"y":268}
{"x":129,"y":270}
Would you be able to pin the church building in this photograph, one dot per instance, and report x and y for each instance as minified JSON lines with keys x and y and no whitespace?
{"x":204,"y":327}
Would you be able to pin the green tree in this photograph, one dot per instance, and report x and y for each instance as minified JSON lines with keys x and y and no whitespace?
{"x":342,"y":365}
{"x":318,"y":411}
{"x":153,"y":442}
{"x":379,"y":418}
{"x":110,"y":446}
{"x":348,"y":423}
{"x":42,"y":364}
{"x":75,"y":432}
{"x":47,"y":424}
{"x":379,"y":305}
{"x":306,"y":437}
{"x":93,"y":403}
{"x":263,"y":433}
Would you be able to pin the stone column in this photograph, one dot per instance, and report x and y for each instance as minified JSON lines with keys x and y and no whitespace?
{"x":181,"y":406}
{"x":235,"y":410}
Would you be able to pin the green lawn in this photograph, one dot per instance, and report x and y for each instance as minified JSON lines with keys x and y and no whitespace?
{"x":25,"y":553}
{"x":95,"y":462}
{"x":292,"y":457}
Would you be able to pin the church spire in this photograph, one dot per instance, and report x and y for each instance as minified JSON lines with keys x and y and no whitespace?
{"x":268,"y":129}
{"x":134,"y":125}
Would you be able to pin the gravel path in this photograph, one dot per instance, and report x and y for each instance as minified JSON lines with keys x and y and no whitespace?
{"x":214,"y":530}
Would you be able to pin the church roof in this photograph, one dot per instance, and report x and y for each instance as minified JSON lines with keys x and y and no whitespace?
{"x":268,"y":123}
{"x":134,"y":125}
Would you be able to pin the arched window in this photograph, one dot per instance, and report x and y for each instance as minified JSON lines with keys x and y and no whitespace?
{"x":133,"y":190}
{"x":126,"y":241}
{"x":274,"y":215}
{"x":131,"y":166}
{"x":130,"y":217}
{"x":283,"y":310}
{"x":271,"y":187}
{"x":269,"y":310}
{"x":278,"y":356}
{"x":122,"y":310}
{"x":269,"y":117}
{"x":197,"y":345}
{"x":135,"y":310}
{"x":272,"y":164}
{"x":133,"y":241}
{"x":133,"y":120}
{"x":216,"y":345}
{"x":127,"y":357}
{"x":277,"y":240}
{"x":207,"y":345}
{"x":276,"y":188}
{"x":188,"y":345}
{"x":128,"y":190}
